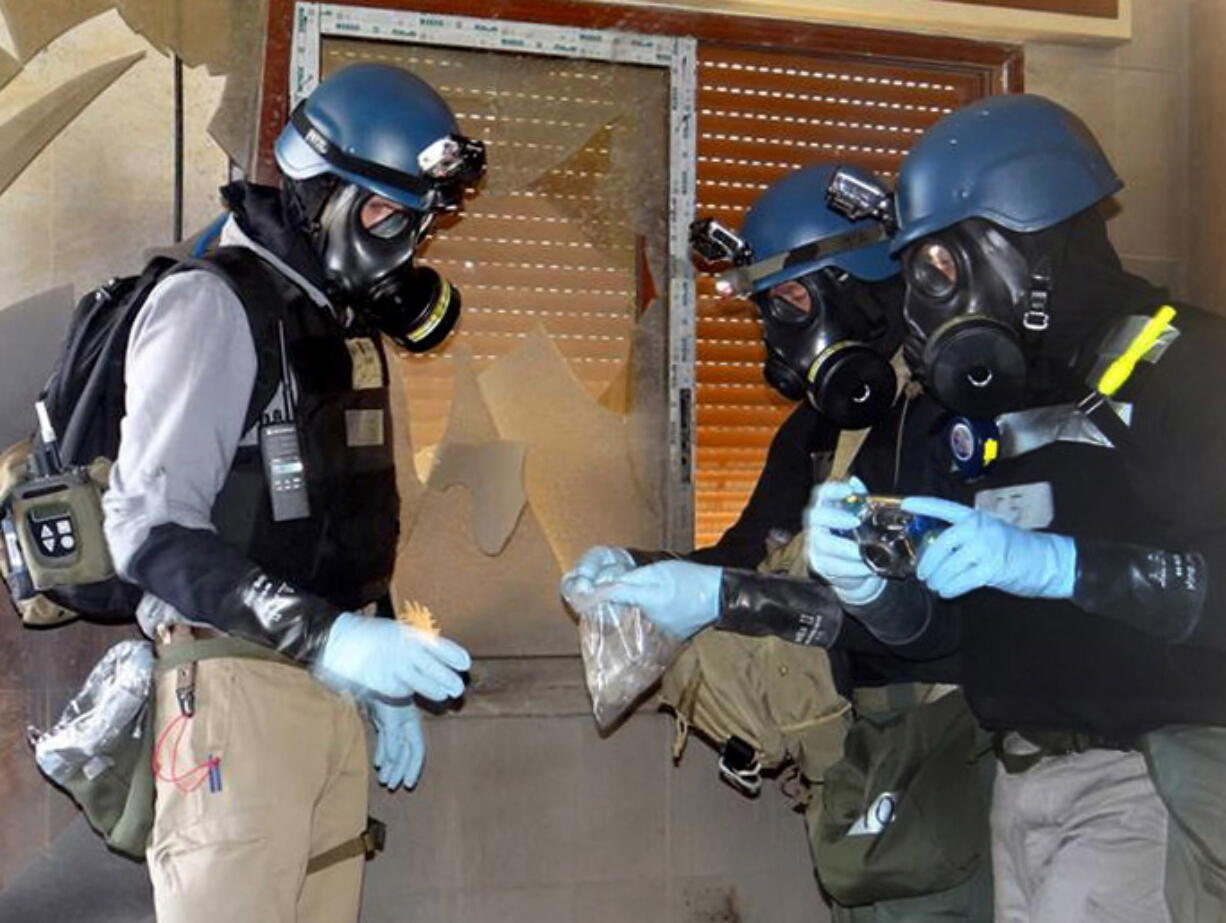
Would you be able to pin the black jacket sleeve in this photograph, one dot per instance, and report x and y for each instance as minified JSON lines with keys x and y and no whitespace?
{"x":210,"y":581}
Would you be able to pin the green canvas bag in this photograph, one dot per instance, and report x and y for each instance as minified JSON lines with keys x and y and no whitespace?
{"x":905,"y":811}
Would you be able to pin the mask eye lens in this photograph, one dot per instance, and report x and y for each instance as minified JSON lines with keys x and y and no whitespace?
{"x":789,"y":302}
{"x":933,"y":270}
{"x":385,"y":219}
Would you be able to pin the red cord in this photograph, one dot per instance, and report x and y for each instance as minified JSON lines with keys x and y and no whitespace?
{"x":179,"y":779}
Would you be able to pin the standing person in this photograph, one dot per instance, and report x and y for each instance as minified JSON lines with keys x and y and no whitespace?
{"x":1073,"y":456}
{"x":263,"y":536}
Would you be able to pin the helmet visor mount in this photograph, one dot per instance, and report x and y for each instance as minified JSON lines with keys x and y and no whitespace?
{"x":752,"y":277}
{"x":447,"y":165}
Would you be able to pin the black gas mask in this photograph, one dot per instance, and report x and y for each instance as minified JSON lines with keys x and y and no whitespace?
{"x":975,"y":309}
{"x":829,"y":338}
{"x":367,"y":248}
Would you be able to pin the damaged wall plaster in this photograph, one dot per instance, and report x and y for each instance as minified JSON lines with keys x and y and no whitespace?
{"x":578,"y":473}
{"x":24,"y":136}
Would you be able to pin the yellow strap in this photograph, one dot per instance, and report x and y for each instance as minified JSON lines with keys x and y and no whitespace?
{"x":1121,"y":369}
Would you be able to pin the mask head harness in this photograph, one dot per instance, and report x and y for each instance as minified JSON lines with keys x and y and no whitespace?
{"x":825,"y":330}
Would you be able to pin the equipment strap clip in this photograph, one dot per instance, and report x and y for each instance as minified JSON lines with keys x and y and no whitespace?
{"x":369,"y":843}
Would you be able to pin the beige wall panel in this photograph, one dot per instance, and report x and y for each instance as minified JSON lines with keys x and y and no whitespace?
{"x":1208,"y":154}
{"x":1150,"y":154}
{"x":99,"y":194}
{"x":26,"y":235}
{"x":9,"y":66}
{"x":1159,"y":35}
{"x":34,"y":23}
{"x":24,"y":136}
{"x":1135,"y":98}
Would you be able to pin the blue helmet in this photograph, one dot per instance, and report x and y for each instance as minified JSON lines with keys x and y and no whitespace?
{"x":384,"y":129}
{"x":794,"y":212}
{"x":1021,"y":162}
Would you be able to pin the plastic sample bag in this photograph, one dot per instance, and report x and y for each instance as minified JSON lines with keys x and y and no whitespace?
{"x":624,"y":655}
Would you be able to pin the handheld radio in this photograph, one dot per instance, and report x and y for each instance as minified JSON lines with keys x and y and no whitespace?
{"x":281,"y":451}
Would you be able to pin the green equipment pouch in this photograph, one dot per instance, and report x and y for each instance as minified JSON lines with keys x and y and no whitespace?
{"x":762,"y":701}
{"x":118,"y":803}
{"x":765,"y":698}
{"x":905,"y":811}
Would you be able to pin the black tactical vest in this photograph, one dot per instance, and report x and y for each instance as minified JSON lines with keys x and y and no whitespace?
{"x":1043,"y":664}
{"x":346,"y":549}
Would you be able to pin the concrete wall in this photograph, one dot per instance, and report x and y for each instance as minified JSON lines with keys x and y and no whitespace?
{"x":1136,"y":99}
{"x":1207,"y":138}
{"x":538,"y":820}
{"x":100,"y":194}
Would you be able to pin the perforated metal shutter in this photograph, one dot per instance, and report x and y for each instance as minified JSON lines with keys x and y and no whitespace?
{"x":760,"y":115}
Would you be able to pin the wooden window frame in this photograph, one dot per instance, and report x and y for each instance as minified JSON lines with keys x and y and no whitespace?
{"x":1099,"y":9}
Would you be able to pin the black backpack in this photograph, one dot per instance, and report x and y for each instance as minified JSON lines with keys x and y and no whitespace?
{"x":84,"y":398}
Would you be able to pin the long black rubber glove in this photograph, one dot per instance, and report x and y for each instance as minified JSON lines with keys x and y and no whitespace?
{"x":210,"y":581}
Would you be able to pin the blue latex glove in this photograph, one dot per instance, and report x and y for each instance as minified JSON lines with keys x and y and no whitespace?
{"x":982,"y":550}
{"x":384,"y":658}
{"x":598,"y":565}
{"x":836,"y":558}
{"x":677,"y":596}
{"x":400,"y":748}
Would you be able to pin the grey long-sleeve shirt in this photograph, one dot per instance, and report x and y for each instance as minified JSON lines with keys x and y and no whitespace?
{"x":190,"y":369}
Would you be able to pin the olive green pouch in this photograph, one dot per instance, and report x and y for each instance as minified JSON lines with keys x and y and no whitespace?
{"x":905,"y":811}
{"x":118,"y":803}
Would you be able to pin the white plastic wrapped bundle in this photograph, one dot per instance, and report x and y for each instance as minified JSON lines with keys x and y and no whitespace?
{"x":108,"y":705}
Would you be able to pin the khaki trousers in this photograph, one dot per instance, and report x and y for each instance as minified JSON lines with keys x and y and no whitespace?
{"x":1079,"y":839}
{"x":290,"y":782}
